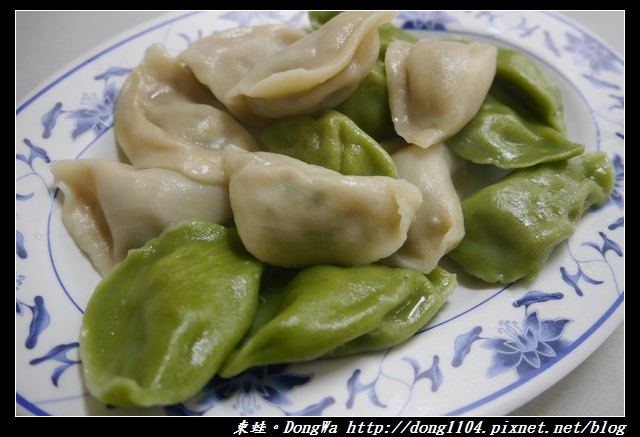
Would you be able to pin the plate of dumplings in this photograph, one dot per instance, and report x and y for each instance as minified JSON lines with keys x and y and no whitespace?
{"x":319,"y":213}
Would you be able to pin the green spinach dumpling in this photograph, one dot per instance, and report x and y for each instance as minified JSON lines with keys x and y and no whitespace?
{"x":520,"y":123}
{"x":321,"y":308}
{"x":429,"y":294}
{"x":368,"y":106}
{"x":512,"y":226}
{"x":332,"y":141}
{"x":162,"y":322}
{"x":497,"y":135}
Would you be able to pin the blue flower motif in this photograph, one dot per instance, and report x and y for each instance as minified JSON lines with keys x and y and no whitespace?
{"x":97,"y":112}
{"x":269,"y":383}
{"x":526,"y":349}
{"x":435,"y":20}
{"x":589,"y":50}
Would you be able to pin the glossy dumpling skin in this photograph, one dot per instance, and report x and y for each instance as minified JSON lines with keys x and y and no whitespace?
{"x":161,"y":324}
{"x":110,"y":207}
{"x":332,"y":141}
{"x":520,"y":123}
{"x":428,"y":295}
{"x":439,"y":224}
{"x":368,"y":105}
{"x":436,"y":87}
{"x":321,"y":308}
{"x":530,"y":88}
{"x":315,"y":73}
{"x":165,"y":118}
{"x":500,"y":136}
{"x":290,"y":213}
{"x":221,"y":60}
{"x":512,"y":226}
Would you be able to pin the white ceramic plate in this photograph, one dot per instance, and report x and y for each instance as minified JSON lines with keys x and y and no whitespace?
{"x":489,"y":349}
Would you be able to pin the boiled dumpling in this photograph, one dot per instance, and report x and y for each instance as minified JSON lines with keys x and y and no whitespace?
{"x":110,"y":207}
{"x":315,"y":73}
{"x":219,"y":61}
{"x":436,"y":87}
{"x":439,"y":224}
{"x":292,"y":214}
{"x":164,"y":118}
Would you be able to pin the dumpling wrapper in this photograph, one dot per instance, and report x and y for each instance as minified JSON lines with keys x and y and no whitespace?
{"x":162,"y":323}
{"x":315,"y":73}
{"x":165,"y":118}
{"x":289,"y":213}
{"x":221,"y":60}
{"x":436,"y":87}
{"x":439,"y":224}
{"x":110,"y":207}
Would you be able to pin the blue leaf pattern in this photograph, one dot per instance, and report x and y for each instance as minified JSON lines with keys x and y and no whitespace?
{"x":354,"y":387}
{"x":535,"y":296}
{"x":314,"y":409}
{"x":35,"y":152}
{"x":607,"y":245}
{"x":49,"y":119}
{"x":573,"y":280}
{"x":617,"y":224}
{"x":548,"y":42}
{"x":433,"y":373}
{"x":600,"y":83}
{"x":462,"y":345}
{"x":39,"y":322}
{"x":112,"y":72}
{"x":617,"y":196}
{"x":59,"y":354}
{"x":20,"y":249}
{"x":188,"y":40}
{"x":24,"y":197}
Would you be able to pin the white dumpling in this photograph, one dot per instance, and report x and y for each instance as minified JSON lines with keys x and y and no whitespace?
{"x":110,"y":207}
{"x":219,"y":61}
{"x":165,"y":118}
{"x":439,"y":224}
{"x":315,"y":73}
{"x":436,"y":87}
{"x":293,"y":214}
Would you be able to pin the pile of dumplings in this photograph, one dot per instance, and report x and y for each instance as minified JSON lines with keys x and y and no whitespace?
{"x":337,"y":153}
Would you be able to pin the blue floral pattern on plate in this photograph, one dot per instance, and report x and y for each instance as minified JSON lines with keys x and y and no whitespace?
{"x":505,"y":339}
